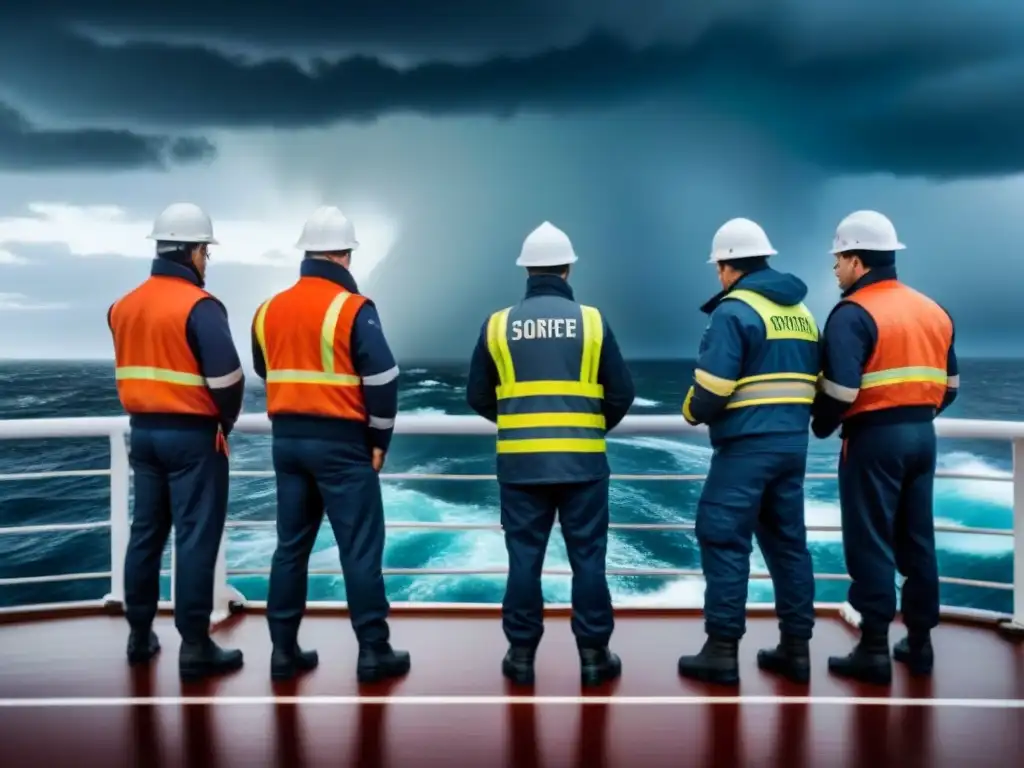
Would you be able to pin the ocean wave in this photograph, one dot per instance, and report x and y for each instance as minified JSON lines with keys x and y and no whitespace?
{"x":485,"y":549}
{"x":424,"y":411}
{"x":640,"y":502}
{"x":982,"y":502}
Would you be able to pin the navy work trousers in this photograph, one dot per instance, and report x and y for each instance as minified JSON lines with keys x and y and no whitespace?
{"x":181,"y":479}
{"x":527,"y":517}
{"x":752,"y":490}
{"x":314,"y":476}
{"x":886,"y":486}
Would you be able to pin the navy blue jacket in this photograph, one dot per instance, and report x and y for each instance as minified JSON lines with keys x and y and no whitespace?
{"x":847,"y":343}
{"x":373,"y":362}
{"x":612,"y":375}
{"x":735,"y":346}
{"x":209,"y":337}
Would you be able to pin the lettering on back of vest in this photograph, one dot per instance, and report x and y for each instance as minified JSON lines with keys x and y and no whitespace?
{"x":544,"y":328}
{"x":792,"y":324}
{"x":780,"y":322}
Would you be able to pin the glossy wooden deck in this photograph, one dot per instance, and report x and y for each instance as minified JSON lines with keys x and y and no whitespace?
{"x":650,"y":718}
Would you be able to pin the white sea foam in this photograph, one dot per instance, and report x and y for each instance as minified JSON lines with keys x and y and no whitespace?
{"x":980,"y":503}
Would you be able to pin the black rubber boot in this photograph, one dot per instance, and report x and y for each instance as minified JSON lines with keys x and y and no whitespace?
{"x":143,"y":645}
{"x":598,"y":666}
{"x":716,"y":663}
{"x":517,"y":665}
{"x":205,"y":658}
{"x":381,"y":662}
{"x":869,"y":662}
{"x":915,"y":650}
{"x":286,"y":664}
{"x":791,"y":658}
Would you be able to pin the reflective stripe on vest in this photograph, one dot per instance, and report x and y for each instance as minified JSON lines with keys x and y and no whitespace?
{"x":908,"y":364}
{"x":585,"y":391}
{"x":325,"y":384}
{"x":785,"y":388}
{"x":155,"y":369}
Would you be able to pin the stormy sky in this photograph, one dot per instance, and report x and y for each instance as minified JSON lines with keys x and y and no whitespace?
{"x":449,"y":129}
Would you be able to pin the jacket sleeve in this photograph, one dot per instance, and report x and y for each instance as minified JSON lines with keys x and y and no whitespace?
{"x":209,"y":338}
{"x":719,"y":362}
{"x":483,"y":380}
{"x":375,"y":364}
{"x":613,"y":374}
{"x":848,"y":340}
{"x":259,"y":363}
{"x":952,"y":373}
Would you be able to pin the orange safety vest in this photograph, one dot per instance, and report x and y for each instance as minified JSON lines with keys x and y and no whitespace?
{"x":908,"y":364}
{"x":156,"y":371}
{"x":305,"y":335}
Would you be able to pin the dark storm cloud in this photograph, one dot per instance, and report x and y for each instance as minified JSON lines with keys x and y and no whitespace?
{"x":408,"y":27}
{"x":917,"y":87}
{"x":25,"y":147}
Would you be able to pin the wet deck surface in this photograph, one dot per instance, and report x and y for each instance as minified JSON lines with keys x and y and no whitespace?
{"x":649,"y":718}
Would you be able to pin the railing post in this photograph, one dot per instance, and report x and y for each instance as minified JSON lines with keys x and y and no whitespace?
{"x":221,"y":591}
{"x":120,"y":517}
{"x":1015,"y":626}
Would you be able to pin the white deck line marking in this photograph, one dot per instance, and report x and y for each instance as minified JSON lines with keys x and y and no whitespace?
{"x":434,"y":701}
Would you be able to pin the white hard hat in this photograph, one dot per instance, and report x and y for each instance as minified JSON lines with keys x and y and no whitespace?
{"x":740,"y":239}
{"x":327,"y":229}
{"x":866,"y":231}
{"x":183,"y":223}
{"x":546,"y":246}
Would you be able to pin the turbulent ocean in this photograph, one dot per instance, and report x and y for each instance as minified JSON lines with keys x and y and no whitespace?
{"x":68,"y":389}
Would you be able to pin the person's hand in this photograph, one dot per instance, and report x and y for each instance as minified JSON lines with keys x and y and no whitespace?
{"x":378,"y":459}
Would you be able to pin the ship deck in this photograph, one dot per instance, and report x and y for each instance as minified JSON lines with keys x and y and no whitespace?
{"x":69,"y":699}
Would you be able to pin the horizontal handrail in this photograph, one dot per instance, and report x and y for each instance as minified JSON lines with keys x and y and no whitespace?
{"x":495,"y":571}
{"x":413,"y":525}
{"x":55,"y":578}
{"x":15,"y":530}
{"x":997,"y":477}
{"x":446,"y":424}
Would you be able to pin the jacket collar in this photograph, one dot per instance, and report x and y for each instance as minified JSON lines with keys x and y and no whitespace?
{"x":167,"y":268}
{"x":328,"y":270}
{"x":711,"y":304}
{"x":548,"y":285}
{"x":875,"y":275}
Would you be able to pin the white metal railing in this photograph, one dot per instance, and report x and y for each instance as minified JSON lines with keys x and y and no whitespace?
{"x":115,"y":430}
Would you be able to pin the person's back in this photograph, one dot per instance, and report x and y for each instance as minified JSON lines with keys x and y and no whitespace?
{"x":179,"y":378}
{"x":549,"y":372}
{"x":547,"y":349}
{"x":312,"y":323}
{"x":754,"y":383}
{"x":777,"y":360}
{"x":332,"y":396}
{"x":909,"y":327}
{"x":888,"y":368}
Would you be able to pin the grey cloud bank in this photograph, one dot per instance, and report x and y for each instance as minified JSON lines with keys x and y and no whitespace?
{"x":26,"y":147}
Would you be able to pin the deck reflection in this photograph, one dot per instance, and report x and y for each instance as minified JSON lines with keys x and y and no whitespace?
{"x":460,"y":656}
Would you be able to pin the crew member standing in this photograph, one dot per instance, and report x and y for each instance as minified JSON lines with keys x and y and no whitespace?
{"x":754,"y":386}
{"x":888,"y":368}
{"x":179,"y":378}
{"x":549,"y":372}
{"x":332,"y":397}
